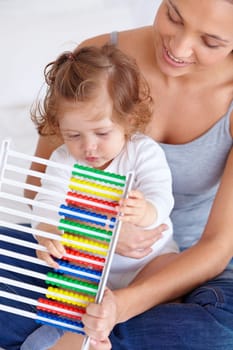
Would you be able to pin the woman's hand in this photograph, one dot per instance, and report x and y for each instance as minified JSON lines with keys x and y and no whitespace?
{"x":99,"y":321}
{"x":100,"y":345}
{"x":135,"y":242}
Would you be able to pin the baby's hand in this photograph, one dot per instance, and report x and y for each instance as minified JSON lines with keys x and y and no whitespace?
{"x":131,"y":209}
{"x":136,"y":210}
{"x":55,"y":248}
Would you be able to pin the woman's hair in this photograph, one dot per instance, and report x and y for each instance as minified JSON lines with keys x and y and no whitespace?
{"x":78,"y":75}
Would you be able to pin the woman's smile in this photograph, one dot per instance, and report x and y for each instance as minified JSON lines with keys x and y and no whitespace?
{"x":174,"y":61}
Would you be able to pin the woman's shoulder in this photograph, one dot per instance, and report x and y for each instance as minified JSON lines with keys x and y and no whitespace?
{"x":138,"y":34}
{"x":126,"y":40}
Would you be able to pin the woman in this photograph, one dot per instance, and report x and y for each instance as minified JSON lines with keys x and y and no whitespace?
{"x":186,"y":56}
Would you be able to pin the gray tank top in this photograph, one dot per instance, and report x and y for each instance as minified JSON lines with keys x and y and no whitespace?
{"x":196,"y":169}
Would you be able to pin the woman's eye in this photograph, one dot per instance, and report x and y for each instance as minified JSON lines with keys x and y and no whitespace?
{"x":172,"y":18}
{"x":210,"y":45}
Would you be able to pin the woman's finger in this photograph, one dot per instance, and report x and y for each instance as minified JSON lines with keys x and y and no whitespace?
{"x":99,"y":319}
{"x":135,"y":242}
{"x":100,"y":345}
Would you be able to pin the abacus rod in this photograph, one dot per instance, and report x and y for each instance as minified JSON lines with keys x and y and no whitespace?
{"x":103,"y":282}
{"x":37,"y":303}
{"x":34,"y":173}
{"x":53,"y":178}
{"x":77,"y":215}
{"x":40,"y":290}
{"x":23,"y":185}
{"x":30,"y":230}
{"x":37,"y":246}
{"x":22,"y":271}
{"x":33,"y":202}
{"x":22,"y":243}
{"x":20,"y":298}
{"x":31,"y":315}
{"x":101,"y":175}
{"x":23,"y":285}
{"x":37,"y":261}
{"x":46,"y":234}
{"x":39,"y":204}
{"x":22,"y":214}
{"x":22,"y":257}
{"x":44,"y":277}
{"x":3,"y":158}
{"x":112,"y":245}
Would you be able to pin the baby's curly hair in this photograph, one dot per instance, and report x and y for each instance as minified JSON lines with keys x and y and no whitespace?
{"x":77,"y":76}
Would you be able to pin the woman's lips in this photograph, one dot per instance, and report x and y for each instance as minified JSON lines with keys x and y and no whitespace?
{"x":174,"y":61}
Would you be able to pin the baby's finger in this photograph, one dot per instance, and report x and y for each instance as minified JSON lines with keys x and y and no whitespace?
{"x":55,"y":248}
{"x":47,"y":258}
{"x":133,"y":203}
{"x":135,"y":194}
{"x":59,"y":247}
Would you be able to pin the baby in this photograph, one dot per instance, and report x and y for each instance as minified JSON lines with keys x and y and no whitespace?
{"x":99,"y":104}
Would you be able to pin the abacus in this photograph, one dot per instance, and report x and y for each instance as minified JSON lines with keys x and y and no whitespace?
{"x":90,"y":227}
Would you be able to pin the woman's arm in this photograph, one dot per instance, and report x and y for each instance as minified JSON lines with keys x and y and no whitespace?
{"x":191,"y":268}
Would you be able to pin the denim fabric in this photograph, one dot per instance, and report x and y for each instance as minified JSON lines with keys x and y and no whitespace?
{"x":204,"y":321}
{"x":13,"y":328}
{"x":42,"y":338}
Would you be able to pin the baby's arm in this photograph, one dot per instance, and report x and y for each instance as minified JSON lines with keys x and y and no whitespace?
{"x":152,"y":178}
{"x":137,"y":210}
{"x":54,"y":248}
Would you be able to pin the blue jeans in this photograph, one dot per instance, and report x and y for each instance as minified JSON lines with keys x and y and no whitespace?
{"x":15,"y":329}
{"x":204,"y":321}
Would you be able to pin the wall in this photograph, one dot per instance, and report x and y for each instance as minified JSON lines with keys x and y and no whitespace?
{"x":34,"y":33}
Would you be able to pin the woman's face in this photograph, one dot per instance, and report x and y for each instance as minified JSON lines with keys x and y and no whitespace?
{"x":191,"y":35}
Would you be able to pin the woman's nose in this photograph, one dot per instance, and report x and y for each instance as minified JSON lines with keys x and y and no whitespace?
{"x":182,"y":46}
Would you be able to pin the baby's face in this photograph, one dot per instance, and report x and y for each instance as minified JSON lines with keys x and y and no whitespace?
{"x":89,"y":132}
